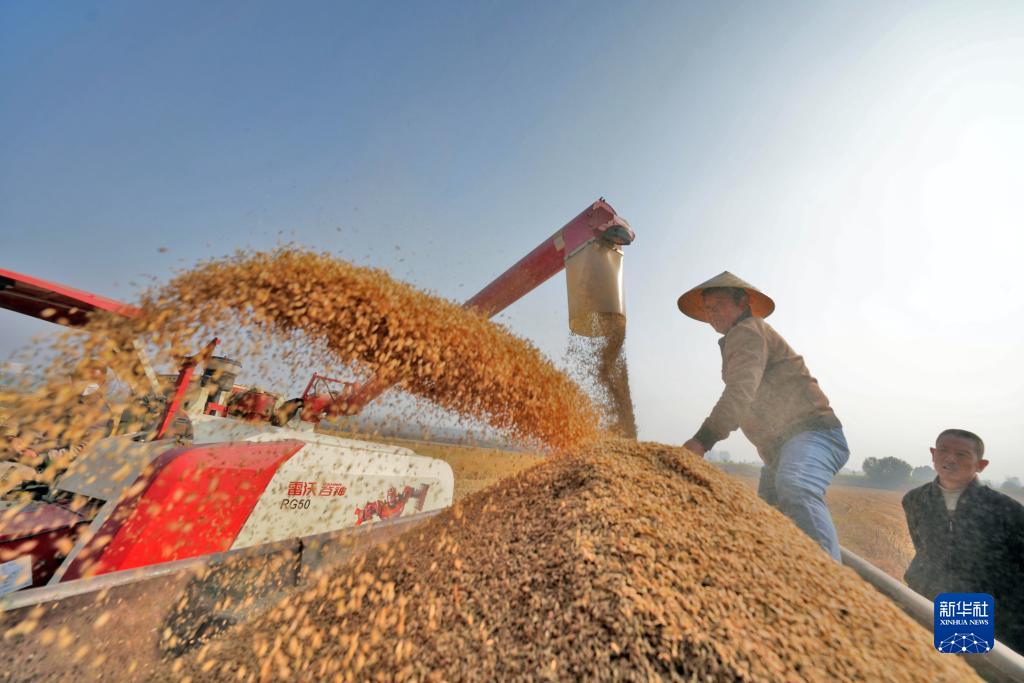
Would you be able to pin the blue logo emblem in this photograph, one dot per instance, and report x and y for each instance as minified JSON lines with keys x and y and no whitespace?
{"x":965,"y":623}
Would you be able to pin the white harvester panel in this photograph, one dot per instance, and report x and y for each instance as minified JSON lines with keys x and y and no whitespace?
{"x":333,"y":483}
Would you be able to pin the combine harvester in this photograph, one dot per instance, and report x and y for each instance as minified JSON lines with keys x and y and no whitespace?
{"x":237,"y":487}
{"x":231,"y":475}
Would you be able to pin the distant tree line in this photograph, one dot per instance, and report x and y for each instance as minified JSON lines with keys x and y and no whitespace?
{"x":1013,"y":486}
{"x":890,"y":472}
{"x":885,"y":473}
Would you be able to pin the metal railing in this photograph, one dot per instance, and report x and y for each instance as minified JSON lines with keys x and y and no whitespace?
{"x":999,"y":665}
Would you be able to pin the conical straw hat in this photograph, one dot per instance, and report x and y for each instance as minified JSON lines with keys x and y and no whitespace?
{"x":692,"y":304}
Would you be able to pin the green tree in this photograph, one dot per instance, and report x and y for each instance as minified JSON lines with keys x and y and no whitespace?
{"x":888,"y":471}
{"x":1012,"y":485}
{"x":922,"y":473}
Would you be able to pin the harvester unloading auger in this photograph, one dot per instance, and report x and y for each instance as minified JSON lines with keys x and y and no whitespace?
{"x":224,"y":472}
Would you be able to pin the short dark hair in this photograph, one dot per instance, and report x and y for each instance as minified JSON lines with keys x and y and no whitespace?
{"x":737,"y":293}
{"x":979,"y":445}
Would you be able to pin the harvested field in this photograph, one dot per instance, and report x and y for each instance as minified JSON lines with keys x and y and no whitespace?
{"x":619,"y":560}
{"x":870,"y":522}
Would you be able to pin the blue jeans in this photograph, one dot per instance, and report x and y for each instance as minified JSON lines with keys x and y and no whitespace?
{"x":796,"y":483}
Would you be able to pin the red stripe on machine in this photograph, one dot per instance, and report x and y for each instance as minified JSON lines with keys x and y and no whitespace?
{"x":189,"y":502}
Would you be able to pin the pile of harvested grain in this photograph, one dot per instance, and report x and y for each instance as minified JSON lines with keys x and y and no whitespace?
{"x":621,"y":560}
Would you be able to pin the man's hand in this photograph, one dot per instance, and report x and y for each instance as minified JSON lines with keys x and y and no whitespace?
{"x":694,"y":446}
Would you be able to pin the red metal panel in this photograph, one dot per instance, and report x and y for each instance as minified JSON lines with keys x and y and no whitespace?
{"x":65,"y":305}
{"x":188,"y":367}
{"x":34,"y":518}
{"x":543,"y":262}
{"x":38,"y":530}
{"x":45,"y":549}
{"x":190,"y":502}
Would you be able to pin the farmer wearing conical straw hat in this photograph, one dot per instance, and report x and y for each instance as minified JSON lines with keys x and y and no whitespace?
{"x":772,"y":397}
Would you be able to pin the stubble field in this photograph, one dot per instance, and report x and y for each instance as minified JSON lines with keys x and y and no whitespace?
{"x":869,"y":522}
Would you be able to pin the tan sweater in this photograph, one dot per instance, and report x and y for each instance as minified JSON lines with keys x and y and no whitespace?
{"x":769,"y":393}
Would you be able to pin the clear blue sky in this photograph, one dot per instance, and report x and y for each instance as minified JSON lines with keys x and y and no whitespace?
{"x":860,"y":162}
